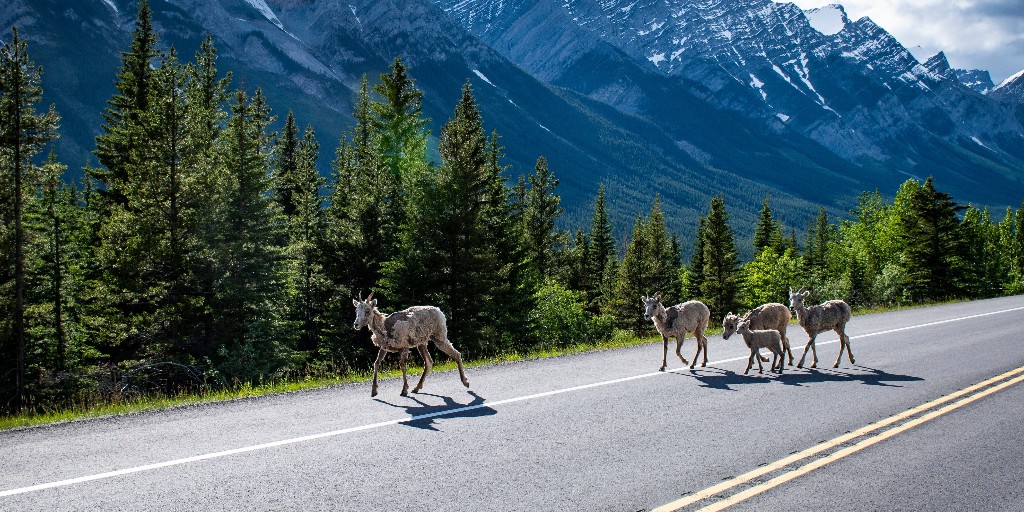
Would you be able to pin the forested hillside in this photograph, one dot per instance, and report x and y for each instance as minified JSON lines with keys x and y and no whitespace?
{"x":205,"y":251}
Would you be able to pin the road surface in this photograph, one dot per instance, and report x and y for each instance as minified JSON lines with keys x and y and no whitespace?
{"x":597,"y":431}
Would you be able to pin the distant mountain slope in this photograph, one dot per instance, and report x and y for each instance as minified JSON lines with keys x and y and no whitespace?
{"x":848,"y":85}
{"x":1010,"y":90}
{"x":732,"y":98}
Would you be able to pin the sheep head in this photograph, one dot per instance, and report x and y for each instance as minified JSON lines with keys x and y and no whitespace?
{"x":364,"y":308}
{"x":729,"y":324}
{"x":652,"y":305}
{"x":796,"y":299}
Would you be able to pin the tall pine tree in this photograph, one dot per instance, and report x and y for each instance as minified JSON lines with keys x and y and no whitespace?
{"x":23,"y":133}
{"x":721,"y":263}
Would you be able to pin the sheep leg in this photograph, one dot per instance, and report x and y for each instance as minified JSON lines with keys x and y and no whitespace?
{"x":403,"y":358}
{"x":427,"y":365}
{"x":750,"y":361}
{"x":814,"y":352}
{"x":664,"y":355}
{"x":844,"y":342}
{"x":760,"y":367}
{"x":697,"y":354}
{"x":376,"y":368}
{"x":785,"y":346}
{"x":446,"y":346}
{"x":782,"y":360}
{"x":702,"y":343}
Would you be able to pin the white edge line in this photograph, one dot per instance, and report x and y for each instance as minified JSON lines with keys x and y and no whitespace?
{"x":446,"y":412}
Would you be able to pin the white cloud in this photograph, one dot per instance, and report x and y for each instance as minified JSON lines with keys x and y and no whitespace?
{"x":981,"y":34}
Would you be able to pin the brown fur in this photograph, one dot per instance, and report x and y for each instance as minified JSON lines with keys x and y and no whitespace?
{"x":828,"y":316}
{"x":403,"y":330}
{"x":675,"y":322}
{"x":766,"y":316}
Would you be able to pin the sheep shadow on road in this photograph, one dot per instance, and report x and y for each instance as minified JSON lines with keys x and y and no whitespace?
{"x":423,"y":415}
{"x":728,"y":380}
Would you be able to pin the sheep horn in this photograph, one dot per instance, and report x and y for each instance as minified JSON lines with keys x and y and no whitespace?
{"x":804,"y":289}
{"x":368,"y":297}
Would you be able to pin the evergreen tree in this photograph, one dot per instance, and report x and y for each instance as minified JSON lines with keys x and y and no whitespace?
{"x":308,"y":284}
{"x":767,"y":233}
{"x":632,"y":282}
{"x":125,"y":126}
{"x":602,"y":248}
{"x":399,"y":121}
{"x":451,"y":245}
{"x":206,"y":95}
{"x":57,"y":256}
{"x":23,"y":133}
{"x":249,"y":294}
{"x":934,"y":244}
{"x":693,"y":284}
{"x":541,"y":210}
{"x":661,"y":262}
{"x":721,"y":263}
{"x":285,"y":165}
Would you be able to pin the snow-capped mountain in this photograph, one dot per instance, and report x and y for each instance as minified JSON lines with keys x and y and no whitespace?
{"x":1010,"y":90}
{"x":977,"y":80}
{"x":685,"y":98}
{"x":846,"y":84}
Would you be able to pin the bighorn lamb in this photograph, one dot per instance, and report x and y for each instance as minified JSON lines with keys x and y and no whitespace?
{"x":676,"y":321}
{"x":756,"y":340}
{"x":828,"y":316}
{"x":402,"y":330}
{"x":766,"y":316}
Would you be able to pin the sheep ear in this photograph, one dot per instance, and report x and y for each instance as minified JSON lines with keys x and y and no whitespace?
{"x":657,"y":295}
{"x":355,"y":303}
{"x":373,"y":303}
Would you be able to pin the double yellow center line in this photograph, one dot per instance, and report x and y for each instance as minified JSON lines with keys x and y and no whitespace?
{"x":873,"y":434}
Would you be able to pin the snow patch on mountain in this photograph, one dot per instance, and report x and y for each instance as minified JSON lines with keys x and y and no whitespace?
{"x":1006,"y":82}
{"x":112,"y":5}
{"x":268,"y":13}
{"x":482,"y":77}
{"x":828,"y":20}
{"x":657,"y":58}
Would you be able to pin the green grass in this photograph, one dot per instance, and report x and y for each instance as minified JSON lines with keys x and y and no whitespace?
{"x":621,"y":339}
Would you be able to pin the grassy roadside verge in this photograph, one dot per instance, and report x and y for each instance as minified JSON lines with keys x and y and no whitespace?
{"x":136,"y":405}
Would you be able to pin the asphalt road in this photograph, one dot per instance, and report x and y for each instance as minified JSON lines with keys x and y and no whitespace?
{"x":598,"y":431}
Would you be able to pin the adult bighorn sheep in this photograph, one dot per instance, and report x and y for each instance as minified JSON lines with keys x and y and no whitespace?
{"x":766,"y":316}
{"x":401,"y":331}
{"x":828,"y":316}
{"x":692,"y":316}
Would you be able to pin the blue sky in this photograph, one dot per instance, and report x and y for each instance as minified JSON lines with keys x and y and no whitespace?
{"x":975,"y":34}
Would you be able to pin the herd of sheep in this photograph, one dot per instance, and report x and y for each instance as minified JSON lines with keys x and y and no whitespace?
{"x":762,"y":327}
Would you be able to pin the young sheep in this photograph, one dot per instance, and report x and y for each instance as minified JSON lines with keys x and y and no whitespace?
{"x":755,"y":340}
{"x":828,"y":316}
{"x":766,"y":316}
{"x":676,"y":321}
{"x":402,"y":330}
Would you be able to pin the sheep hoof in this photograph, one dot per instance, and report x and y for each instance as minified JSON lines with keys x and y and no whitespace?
{"x":373,"y":393}
{"x":661,"y":369}
{"x":694,"y":364}
{"x":405,"y":393}
{"x":465,"y":382}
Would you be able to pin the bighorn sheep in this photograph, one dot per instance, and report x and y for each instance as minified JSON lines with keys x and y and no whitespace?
{"x":828,"y":316}
{"x":676,"y":321}
{"x":766,"y":316}
{"x":402,"y":330}
{"x":756,"y":340}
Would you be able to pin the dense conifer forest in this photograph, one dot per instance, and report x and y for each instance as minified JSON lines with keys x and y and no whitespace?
{"x":205,"y":251}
